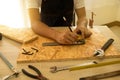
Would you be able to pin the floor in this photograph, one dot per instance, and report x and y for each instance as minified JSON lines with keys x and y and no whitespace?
{"x":116,"y":30}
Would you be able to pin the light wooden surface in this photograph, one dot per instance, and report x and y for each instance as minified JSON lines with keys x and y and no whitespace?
{"x":11,"y":49}
{"x":58,"y":53}
{"x":21,"y":35}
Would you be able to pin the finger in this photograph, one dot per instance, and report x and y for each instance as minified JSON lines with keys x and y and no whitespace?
{"x":67,"y":41}
{"x":73,"y":37}
{"x":87,"y":33}
{"x":83,"y":33}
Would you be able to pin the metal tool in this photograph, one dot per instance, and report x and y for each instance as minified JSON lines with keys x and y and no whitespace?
{"x":30,"y":52}
{"x":102,"y":76}
{"x":94,"y":65}
{"x":80,"y":42}
{"x":11,"y":75}
{"x":69,"y":25}
{"x":38,"y":77}
{"x":55,"y":69}
{"x":15,"y":73}
{"x":100,"y":52}
{"x":91,"y":20}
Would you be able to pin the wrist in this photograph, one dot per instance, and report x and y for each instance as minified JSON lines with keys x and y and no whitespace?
{"x":55,"y":35}
{"x":82,"y":22}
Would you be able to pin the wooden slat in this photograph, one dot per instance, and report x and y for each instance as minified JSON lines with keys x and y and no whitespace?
{"x":21,"y":35}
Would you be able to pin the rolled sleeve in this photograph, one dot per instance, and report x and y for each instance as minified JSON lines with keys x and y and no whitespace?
{"x":79,"y":4}
{"x":33,"y":3}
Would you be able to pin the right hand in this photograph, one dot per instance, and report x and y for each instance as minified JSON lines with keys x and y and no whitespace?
{"x":66,"y":37}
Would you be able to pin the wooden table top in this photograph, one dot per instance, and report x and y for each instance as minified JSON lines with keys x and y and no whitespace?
{"x":10,"y":50}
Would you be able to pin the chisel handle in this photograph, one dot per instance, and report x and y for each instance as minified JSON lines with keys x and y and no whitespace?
{"x":107,"y":44}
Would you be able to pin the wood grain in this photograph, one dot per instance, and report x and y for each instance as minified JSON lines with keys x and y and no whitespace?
{"x":58,"y":53}
{"x":21,"y":35}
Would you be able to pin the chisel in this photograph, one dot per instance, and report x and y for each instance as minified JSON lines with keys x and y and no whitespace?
{"x":10,"y":66}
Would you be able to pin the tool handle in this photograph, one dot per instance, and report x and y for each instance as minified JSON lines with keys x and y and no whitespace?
{"x":0,"y":36}
{"x":107,"y":44}
{"x":6,"y":61}
{"x":102,"y":76}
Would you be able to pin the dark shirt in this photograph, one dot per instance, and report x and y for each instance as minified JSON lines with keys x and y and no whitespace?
{"x":53,"y":11}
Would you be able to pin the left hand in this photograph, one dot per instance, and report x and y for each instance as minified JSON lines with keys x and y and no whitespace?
{"x":83,"y":31}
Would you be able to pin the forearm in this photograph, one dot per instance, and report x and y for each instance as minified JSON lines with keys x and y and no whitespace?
{"x":44,"y":30}
{"x":82,"y":23}
{"x":38,"y":26}
{"x":81,"y":15}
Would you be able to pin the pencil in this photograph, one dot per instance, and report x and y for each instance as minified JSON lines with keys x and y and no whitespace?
{"x":69,"y":26}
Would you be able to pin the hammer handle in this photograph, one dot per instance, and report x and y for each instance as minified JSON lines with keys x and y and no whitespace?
{"x":107,"y":44}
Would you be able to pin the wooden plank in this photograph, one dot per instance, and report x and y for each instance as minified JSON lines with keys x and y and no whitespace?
{"x":58,"y":53}
{"x":21,"y":35}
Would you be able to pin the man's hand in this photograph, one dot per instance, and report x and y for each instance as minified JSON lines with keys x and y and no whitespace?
{"x":66,"y":37}
{"x":82,"y":23}
{"x":83,"y":31}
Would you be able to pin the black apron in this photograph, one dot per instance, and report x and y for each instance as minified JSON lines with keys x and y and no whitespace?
{"x":53,"y":11}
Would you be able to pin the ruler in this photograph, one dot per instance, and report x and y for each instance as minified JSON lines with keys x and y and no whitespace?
{"x":80,"y":42}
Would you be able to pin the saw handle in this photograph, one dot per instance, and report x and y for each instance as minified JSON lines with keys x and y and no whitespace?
{"x":107,"y":44}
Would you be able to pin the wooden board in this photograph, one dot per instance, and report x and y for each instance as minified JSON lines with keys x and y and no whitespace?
{"x":21,"y":35}
{"x":55,"y":53}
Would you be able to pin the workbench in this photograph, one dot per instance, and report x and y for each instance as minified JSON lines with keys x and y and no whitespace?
{"x":10,"y":50}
